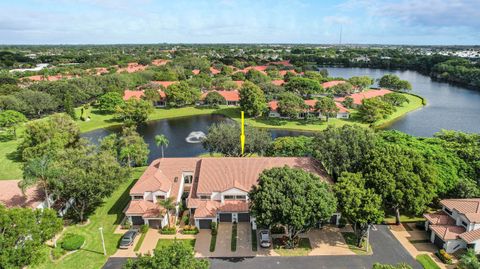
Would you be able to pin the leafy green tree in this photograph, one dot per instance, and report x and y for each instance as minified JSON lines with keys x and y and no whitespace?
{"x":327,"y":107}
{"x":109,"y":102}
{"x":87,"y":176}
{"x":291,"y":197}
{"x":11,"y":119}
{"x":161,"y":141}
{"x":23,"y":234}
{"x":133,"y":151}
{"x":314,"y":75}
{"x":360,"y":205}
{"x":134,"y":111}
{"x":176,"y":255}
{"x":214,"y":99}
{"x":252,"y":100}
{"x":374,"y":109}
{"x":271,"y":91}
{"x":388,"y":266}
{"x":168,"y":204}
{"x":181,"y":94}
{"x":291,"y":105}
{"x":361,"y":82}
{"x":348,"y":102}
{"x":291,"y":146}
{"x":395,"y":99}
{"x":39,"y":171}
{"x":224,"y":138}
{"x":393,"y":82}
{"x":151,"y":95}
{"x":68,"y":106}
{"x":469,"y":260}
{"x":256,"y":77}
{"x":403,"y":177}
{"x":303,"y":86}
{"x":49,"y":136}
{"x":36,"y":103}
{"x":341,"y":89}
{"x":343,"y":149}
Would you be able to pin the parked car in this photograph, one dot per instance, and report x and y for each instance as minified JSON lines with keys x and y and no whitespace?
{"x":265,"y":241}
{"x":128,"y":238}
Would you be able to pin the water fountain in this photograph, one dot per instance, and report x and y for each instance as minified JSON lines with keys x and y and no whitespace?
{"x":195,"y":137}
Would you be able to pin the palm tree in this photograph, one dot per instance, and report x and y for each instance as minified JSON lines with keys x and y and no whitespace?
{"x":169,"y":205}
{"x":161,"y":141}
{"x":38,"y":171}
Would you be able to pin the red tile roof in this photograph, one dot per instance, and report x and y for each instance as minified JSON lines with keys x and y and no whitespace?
{"x":147,"y":209}
{"x":279,"y":82}
{"x":164,"y":83}
{"x":196,"y":71}
{"x":11,"y":195}
{"x":214,"y":71}
{"x":210,"y":208}
{"x":132,"y":67}
{"x":273,"y":105}
{"x":468,"y":207}
{"x":239,"y":82}
{"x":138,"y":94}
{"x":332,"y":83}
{"x":284,"y":63}
{"x":231,"y":96}
{"x":447,"y":232}
{"x":439,"y":218}
{"x":159,"y":62}
{"x":358,"y":97}
{"x":471,"y":236}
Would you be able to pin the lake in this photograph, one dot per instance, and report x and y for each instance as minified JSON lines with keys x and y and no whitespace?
{"x":449,"y":107}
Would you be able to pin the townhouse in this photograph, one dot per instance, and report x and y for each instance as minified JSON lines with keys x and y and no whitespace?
{"x":456,"y":226}
{"x":343,"y":113}
{"x":213,"y":189}
{"x":232,"y":98}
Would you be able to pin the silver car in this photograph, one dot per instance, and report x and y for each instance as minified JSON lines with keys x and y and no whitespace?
{"x":128,"y":238}
{"x":265,"y":241}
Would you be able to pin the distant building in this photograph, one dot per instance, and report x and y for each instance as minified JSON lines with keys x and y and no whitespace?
{"x":343,"y":113}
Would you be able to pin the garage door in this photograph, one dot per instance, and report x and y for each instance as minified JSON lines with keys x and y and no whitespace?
{"x":243,"y":217}
{"x":438,"y":241}
{"x":225,"y":217}
{"x":137,"y":220}
{"x":205,"y":223}
{"x":155,"y":223}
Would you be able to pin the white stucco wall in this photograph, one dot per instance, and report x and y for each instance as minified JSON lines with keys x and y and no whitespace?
{"x":454,"y":245}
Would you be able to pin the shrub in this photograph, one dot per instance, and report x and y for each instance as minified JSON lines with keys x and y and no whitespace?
{"x":342,"y":222}
{"x":72,"y":241}
{"x":186,"y":219}
{"x":190,"y":229}
{"x":233,"y":242}
{"x":57,"y":253}
{"x":213,"y":226}
{"x":444,"y":256}
{"x":213,"y":242}
{"x":167,"y":230}
{"x":126,"y":225}
{"x":144,"y":228}
{"x":277,"y":229}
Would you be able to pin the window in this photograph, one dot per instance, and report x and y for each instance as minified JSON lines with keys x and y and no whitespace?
{"x":138,"y":197}
{"x":448,"y":211}
{"x":229,"y":197}
{"x":188,"y":179}
{"x":160,"y":197}
{"x":235,"y":197}
{"x":464,"y":224}
{"x":204,"y":197}
{"x":241,"y":197}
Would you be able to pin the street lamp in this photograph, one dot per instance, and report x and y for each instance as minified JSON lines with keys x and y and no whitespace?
{"x":103,"y":241}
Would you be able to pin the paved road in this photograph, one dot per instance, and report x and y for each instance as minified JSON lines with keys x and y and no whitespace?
{"x":386,"y":249}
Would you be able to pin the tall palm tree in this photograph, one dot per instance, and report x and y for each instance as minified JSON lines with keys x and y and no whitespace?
{"x":169,"y":205}
{"x":161,"y":141}
{"x":38,"y":171}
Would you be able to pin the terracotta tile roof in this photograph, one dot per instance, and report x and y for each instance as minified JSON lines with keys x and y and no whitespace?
{"x":447,"y":232}
{"x":164,"y":83}
{"x":332,"y":83}
{"x":220,"y":174}
{"x":284,"y":63}
{"x":231,"y":96}
{"x":239,"y":82}
{"x":284,"y":72}
{"x":341,"y":108}
{"x":273,"y":105}
{"x":233,"y":206}
{"x":127,"y":94}
{"x":439,"y":218}
{"x":278,"y":82}
{"x":164,"y":175}
{"x":468,"y":207}
{"x":132,"y":67}
{"x":159,"y":62}
{"x":196,"y":71}
{"x":471,"y":236}
{"x":358,"y":97}
{"x":214,"y":70}
{"x":11,"y":195}
{"x":210,"y":208}
{"x":147,"y":209}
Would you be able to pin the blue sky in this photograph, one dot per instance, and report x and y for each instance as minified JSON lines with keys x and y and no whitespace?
{"x":423,"y":22}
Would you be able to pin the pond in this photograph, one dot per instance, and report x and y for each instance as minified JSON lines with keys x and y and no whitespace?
{"x":449,"y":107}
{"x":182,"y":134}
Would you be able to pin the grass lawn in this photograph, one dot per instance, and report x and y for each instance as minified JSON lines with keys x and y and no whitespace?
{"x":427,"y":262}
{"x":140,"y":242}
{"x":167,"y":242}
{"x":302,"y":249}
{"x":11,"y":167}
{"x":108,"y":216}
{"x":390,"y":219}
{"x":351,"y":240}
{"x":415,"y":103}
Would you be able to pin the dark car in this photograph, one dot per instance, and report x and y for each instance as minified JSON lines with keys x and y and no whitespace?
{"x":128,"y":238}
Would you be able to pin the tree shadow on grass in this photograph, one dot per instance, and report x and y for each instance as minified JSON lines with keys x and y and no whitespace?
{"x":272,"y":121}
{"x":120,"y":204}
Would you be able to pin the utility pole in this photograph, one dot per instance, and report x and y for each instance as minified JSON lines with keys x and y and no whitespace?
{"x":103,"y":241}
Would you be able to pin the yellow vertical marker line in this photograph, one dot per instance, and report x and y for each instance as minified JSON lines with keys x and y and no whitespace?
{"x":242,"y":135}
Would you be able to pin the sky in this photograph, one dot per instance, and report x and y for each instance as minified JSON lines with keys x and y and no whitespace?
{"x":416,"y":22}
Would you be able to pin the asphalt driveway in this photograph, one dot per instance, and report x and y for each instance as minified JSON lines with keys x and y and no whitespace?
{"x":386,"y":249}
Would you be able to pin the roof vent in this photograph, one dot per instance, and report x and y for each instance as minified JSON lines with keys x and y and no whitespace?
{"x":175,"y":179}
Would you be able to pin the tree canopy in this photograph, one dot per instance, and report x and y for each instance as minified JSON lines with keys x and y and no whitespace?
{"x":252,"y":100}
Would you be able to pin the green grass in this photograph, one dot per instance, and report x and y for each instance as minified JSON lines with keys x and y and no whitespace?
{"x":415,"y":103}
{"x":140,"y":242}
{"x":254,"y":240}
{"x":213,"y":243}
{"x":302,"y":249}
{"x":11,"y":166}
{"x":167,"y":242}
{"x":233,"y":243}
{"x":351,"y":240}
{"x":427,"y":262}
{"x":390,"y":219}
{"x":108,"y":216}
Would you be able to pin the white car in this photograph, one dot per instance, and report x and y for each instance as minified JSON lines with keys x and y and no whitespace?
{"x":265,"y":241}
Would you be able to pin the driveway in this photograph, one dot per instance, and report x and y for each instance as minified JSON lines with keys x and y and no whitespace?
{"x":386,"y":249}
{"x":328,"y":241}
